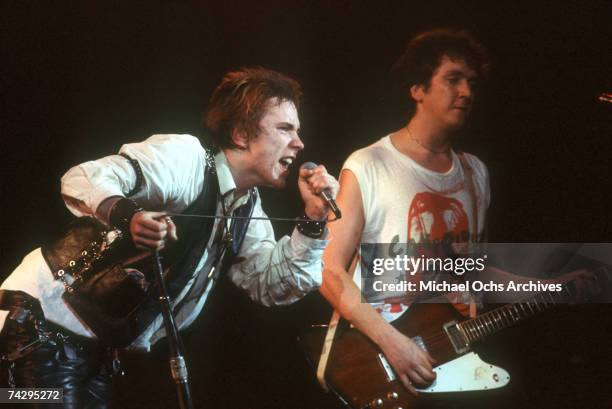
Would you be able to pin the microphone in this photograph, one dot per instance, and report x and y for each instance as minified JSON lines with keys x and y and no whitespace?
{"x":325,"y":193}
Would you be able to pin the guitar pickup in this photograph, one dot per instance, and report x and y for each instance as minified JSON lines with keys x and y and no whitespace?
{"x":421,"y":344}
{"x":456,"y":337}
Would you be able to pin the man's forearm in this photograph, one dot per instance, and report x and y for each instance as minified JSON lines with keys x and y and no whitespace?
{"x":340,"y":290}
{"x":277,"y":272}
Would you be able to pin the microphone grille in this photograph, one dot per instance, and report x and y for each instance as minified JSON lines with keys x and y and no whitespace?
{"x":308,"y":165}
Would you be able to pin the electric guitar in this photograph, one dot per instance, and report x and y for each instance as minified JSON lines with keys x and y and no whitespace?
{"x":360,"y":375}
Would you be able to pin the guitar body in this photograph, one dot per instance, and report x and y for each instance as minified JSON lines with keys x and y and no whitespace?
{"x":360,"y":375}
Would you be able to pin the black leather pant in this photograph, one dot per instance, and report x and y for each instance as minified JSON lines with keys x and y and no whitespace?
{"x":77,"y":365}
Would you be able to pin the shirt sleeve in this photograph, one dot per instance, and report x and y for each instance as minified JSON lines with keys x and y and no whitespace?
{"x":483,"y":190}
{"x":172,"y":166}
{"x":481,"y":180}
{"x":277,"y":273}
{"x":359,"y":163}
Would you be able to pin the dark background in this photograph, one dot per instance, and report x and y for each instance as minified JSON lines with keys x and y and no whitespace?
{"x":78,"y":80}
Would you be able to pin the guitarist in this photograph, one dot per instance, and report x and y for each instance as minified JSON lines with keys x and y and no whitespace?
{"x":253,"y":123}
{"x":411,"y":186}
{"x":402,"y":186}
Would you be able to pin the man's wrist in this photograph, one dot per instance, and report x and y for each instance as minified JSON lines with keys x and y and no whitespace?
{"x":121,"y":213}
{"x":315,"y":213}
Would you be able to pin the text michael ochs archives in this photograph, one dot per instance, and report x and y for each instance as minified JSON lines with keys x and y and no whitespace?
{"x":443,"y":286}
{"x":430,"y":280}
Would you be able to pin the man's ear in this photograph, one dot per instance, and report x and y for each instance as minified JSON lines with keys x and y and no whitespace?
{"x":240,"y":139}
{"x":417,"y":92}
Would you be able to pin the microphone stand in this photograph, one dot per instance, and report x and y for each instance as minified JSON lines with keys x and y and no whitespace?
{"x":177,"y":362}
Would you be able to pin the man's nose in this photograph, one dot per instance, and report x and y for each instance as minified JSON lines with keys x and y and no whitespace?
{"x":296,"y":142}
{"x":465,"y":89}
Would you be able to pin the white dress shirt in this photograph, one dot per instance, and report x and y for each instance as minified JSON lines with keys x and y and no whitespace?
{"x":270,"y":272}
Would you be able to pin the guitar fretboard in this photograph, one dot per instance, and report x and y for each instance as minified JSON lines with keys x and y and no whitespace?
{"x":492,"y":321}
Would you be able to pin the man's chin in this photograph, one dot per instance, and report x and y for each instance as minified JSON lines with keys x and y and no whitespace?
{"x":460,"y":119}
{"x":278,"y":183}
{"x":457,"y":123}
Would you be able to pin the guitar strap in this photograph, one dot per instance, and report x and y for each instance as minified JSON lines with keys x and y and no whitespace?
{"x":331,"y":333}
{"x":468,"y":174}
{"x":327,"y":345}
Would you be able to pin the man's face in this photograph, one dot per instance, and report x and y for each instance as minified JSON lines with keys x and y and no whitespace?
{"x":448,"y":100}
{"x":276,"y":145}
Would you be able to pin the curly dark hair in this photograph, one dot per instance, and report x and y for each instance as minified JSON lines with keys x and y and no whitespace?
{"x":241,"y":99}
{"x":425,"y":51}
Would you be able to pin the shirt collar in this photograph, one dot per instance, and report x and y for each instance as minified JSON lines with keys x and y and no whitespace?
{"x":227,"y":185}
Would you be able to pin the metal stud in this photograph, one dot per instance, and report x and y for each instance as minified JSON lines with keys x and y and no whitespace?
{"x":227,"y":239}
{"x":377,"y":403}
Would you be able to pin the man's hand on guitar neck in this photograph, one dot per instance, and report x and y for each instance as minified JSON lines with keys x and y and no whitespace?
{"x":584,"y":283}
{"x":412,"y":364}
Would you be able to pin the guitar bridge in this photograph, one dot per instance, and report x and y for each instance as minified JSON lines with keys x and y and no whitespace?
{"x":456,"y":337}
{"x":390,"y":374}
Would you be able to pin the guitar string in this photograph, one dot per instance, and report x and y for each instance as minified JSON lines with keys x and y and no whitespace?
{"x":484,"y":328}
{"x":443,"y":336}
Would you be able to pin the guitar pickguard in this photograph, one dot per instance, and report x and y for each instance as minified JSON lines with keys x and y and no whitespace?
{"x":467,"y":373}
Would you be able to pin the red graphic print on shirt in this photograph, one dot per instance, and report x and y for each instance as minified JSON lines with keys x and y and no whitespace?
{"x":432,"y":216}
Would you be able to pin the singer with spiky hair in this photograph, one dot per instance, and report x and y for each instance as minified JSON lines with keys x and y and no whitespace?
{"x":253,"y":125}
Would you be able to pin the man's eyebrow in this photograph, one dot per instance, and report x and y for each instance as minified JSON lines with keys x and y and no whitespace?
{"x":286,"y":125}
{"x":461,"y":73}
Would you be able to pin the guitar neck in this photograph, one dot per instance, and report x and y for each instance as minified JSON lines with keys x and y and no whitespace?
{"x":486,"y":324}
